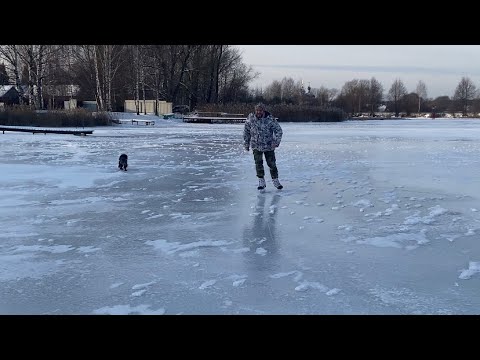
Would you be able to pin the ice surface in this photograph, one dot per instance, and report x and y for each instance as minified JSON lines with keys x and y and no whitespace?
{"x":376,"y":217}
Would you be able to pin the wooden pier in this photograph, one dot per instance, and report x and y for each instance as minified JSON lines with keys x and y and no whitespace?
{"x":45,"y":131}
{"x":136,"y":121}
{"x":214,"y":118}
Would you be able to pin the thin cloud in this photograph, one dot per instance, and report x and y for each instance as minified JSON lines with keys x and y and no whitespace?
{"x":358,"y":68}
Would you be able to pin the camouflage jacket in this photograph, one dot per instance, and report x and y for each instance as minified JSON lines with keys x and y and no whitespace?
{"x":263,"y":134}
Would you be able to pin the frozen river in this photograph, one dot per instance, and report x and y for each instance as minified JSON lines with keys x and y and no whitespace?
{"x":376,"y":217}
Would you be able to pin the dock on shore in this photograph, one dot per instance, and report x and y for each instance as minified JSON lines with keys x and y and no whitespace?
{"x":214,"y":118}
{"x":35,"y":130}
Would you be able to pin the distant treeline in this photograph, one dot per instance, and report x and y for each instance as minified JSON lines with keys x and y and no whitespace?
{"x":24,"y":116}
{"x":284,"y":112}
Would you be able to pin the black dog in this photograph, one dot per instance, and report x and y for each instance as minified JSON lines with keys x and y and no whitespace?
{"x":122,"y":162}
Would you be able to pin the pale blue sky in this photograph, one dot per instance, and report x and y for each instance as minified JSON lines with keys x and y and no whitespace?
{"x":440,"y":67}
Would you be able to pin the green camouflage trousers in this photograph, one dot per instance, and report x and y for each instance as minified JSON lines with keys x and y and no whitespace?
{"x":271,"y":162}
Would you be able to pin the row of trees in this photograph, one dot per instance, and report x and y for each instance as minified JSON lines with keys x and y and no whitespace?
{"x":368,"y":96}
{"x":195,"y":75}
{"x":182,"y":74}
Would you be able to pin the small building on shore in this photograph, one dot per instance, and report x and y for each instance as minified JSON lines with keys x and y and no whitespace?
{"x":148,"y":106}
{"x":9,"y":95}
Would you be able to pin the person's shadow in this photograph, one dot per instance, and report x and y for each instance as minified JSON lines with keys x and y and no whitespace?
{"x":261,"y":236}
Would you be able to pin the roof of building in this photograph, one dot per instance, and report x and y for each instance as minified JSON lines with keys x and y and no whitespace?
{"x":5,"y":88}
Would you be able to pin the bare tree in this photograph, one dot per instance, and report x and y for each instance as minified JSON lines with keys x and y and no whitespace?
{"x":98,"y":86}
{"x":142,"y":78}
{"x":4,"y":79}
{"x":396,"y":93}
{"x":375,"y":94}
{"x":83,"y":67}
{"x":289,"y":89}
{"x":235,"y":82}
{"x":324,"y":96}
{"x":107,"y":60}
{"x":216,"y":53}
{"x":348,"y":95}
{"x":410,"y":103}
{"x":136,"y":56}
{"x":154,"y":57}
{"x":465,"y":93}
{"x":36,"y":58}
{"x":136,"y":69}
{"x":95,"y":68}
{"x":196,"y":75}
{"x":299,"y":92}
{"x":113,"y":57}
{"x":273,"y":92}
{"x":26,"y":55}
{"x":421,"y":92}
{"x":233,"y":75}
{"x":139,"y":65}
{"x":175,"y":68}
{"x":362,"y":94}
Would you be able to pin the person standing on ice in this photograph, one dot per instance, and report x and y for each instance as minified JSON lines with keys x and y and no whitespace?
{"x":262,"y":133}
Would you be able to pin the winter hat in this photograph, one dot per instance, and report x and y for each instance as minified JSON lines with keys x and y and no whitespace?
{"x":260,"y":106}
